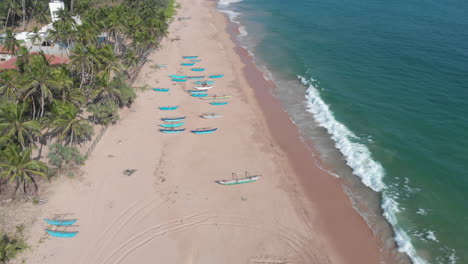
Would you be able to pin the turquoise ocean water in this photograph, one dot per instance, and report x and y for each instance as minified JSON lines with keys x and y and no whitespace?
{"x":381,"y":88}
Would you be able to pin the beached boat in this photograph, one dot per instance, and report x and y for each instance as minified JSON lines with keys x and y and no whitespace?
{"x":239,"y":181}
{"x":188,"y":64}
{"x":61,"y":233}
{"x":195,"y":77}
{"x":195,"y":60}
{"x":199,"y":94}
{"x":219,"y":103}
{"x":179,"y":80}
{"x":211,"y":115}
{"x":204,"y":130}
{"x":216,"y":76}
{"x":61,"y":222}
{"x":217,"y":97}
{"x":197,"y":91}
{"x":189,"y":57}
{"x":203,"y":82}
{"x":168,"y":107}
{"x":235,"y":180}
{"x":172,"y":131}
{"x":161,"y":89}
{"x":203,"y":87}
{"x":173,"y":119}
{"x":161,"y":65}
{"x":177,"y":76}
{"x":172,"y":124}
{"x":197,"y":69}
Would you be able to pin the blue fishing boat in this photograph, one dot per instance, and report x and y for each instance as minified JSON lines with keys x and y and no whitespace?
{"x":204,"y":82}
{"x":195,"y":77}
{"x":177,"y":76}
{"x":173,"y":119}
{"x":168,"y":107}
{"x":199,"y":94}
{"x":61,"y":222}
{"x":195,"y":60}
{"x":188,"y":64}
{"x":172,"y":131}
{"x":179,"y":80}
{"x":219,"y":103}
{"x":161,"y":89}
{"x":197,"y":69}
{"x":189,"y":57}
{"x":196,"y":91}
{"x":173,"y":124}
{"x":161,"y":65}
{"x":204,"y":130}
{"x":216,"y":76}
{"x":61,"y":233}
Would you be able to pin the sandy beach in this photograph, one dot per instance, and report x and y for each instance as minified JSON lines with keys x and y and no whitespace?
{"x":171,"y":210}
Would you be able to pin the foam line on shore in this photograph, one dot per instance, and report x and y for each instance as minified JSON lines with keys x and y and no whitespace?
{"x":359,"y":159}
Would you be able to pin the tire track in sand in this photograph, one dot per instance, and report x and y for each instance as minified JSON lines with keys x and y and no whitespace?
{"x":156,"y":231}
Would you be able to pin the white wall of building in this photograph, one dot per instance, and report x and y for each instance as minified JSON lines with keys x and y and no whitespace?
{"x":54,"y":7}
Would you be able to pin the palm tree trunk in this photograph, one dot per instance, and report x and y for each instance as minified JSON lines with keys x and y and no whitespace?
{"x":8,"y":17}
{"x":42,"y":104}
{"x":71,"y":7}
{"x":23,"y":3}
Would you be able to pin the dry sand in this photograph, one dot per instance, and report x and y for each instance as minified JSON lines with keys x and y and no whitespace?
{"x":171,"y":210}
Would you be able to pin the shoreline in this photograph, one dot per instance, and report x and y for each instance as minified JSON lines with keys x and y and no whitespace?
{"x":172,"y":210}
{"x":304,"y":159}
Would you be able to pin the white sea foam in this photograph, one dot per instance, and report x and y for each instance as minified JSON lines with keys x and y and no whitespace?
{"x":421,"y":211}
{"x":431,"y":236}
{"x":359,"y":158}
{"x":227,"y":2}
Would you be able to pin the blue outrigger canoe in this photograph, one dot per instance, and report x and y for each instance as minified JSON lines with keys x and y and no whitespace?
{"x":197,"y":91}
{"x":172,"y":124}
{"x":204,"y":82}
{"x":177,"y":76}
{"x":61,"y":222}
{"x":168,"y":107}
{"x":216,"y":76}
{"x":199,"y":94}
{"x":195,"y":77}
{"x":197,"y":69}
{"x":61,"y":233}
{"x":188,"y":64}
{"x":172,"y":131}
{"x":161,"y":89}
{"x":219,"y":103}
{"x":173,"y":119}
{"x":179,"y":80}
{"x":204,"y":130}
{"x":189,"y":57}
{"x":195,"y":60}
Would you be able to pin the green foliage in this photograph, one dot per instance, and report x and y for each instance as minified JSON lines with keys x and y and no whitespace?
{"x":67,"y":123}
{"x":105,"y":112}
{"x":10,"y":246}
{"x":15,"y":125}
{"x":60,"y":155}
{"x":17,"y":167}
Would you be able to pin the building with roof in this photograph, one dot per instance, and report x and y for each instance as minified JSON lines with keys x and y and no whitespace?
{"x":53,"y":60}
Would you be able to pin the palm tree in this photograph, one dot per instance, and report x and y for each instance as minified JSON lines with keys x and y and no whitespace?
{"x":35,"y":37}
{"x":15,"y":124}
{"x":17,"y":166}
{"x":109,"y":62}
{"x":67,"y":123}
{"x":106,"y":90}
{"x":82,"y":61}
{"x":9,"y":81}
{"x":41,"y":13}
{"x":39,"y":82}
{"x":10,"y":43}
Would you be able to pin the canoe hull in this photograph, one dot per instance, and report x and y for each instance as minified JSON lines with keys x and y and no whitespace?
{"x":195,"y":77}
{"x":235,"y":182}
{"x":211,"y":116}
{"x":172,"y":125}
{"x":60,"y":233}
{"x":61,"y":222}
{"x":199,"y":94}
{"x":217,"y":97}
{"x":161,"y":89}
{"x":218,"y":103}
{"x":188,"y":64}
{"x":173,"y":119}
{"x":177,"y":76}
{"x":216,"y":76}
{"x":207,"y":131}
{"x":203,"y":87}
{"x":166,"y":108}
{"x":189,"y":57}
{"x":198,"y":69}
{"x":172,"y":131}
{"x":179,"y":80}
{"x":204,"y":82}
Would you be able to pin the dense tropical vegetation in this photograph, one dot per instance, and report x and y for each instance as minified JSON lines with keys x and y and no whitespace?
{"x":43,"y":104}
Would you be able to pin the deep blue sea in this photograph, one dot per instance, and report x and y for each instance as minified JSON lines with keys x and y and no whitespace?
{"x":381,"y":88}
